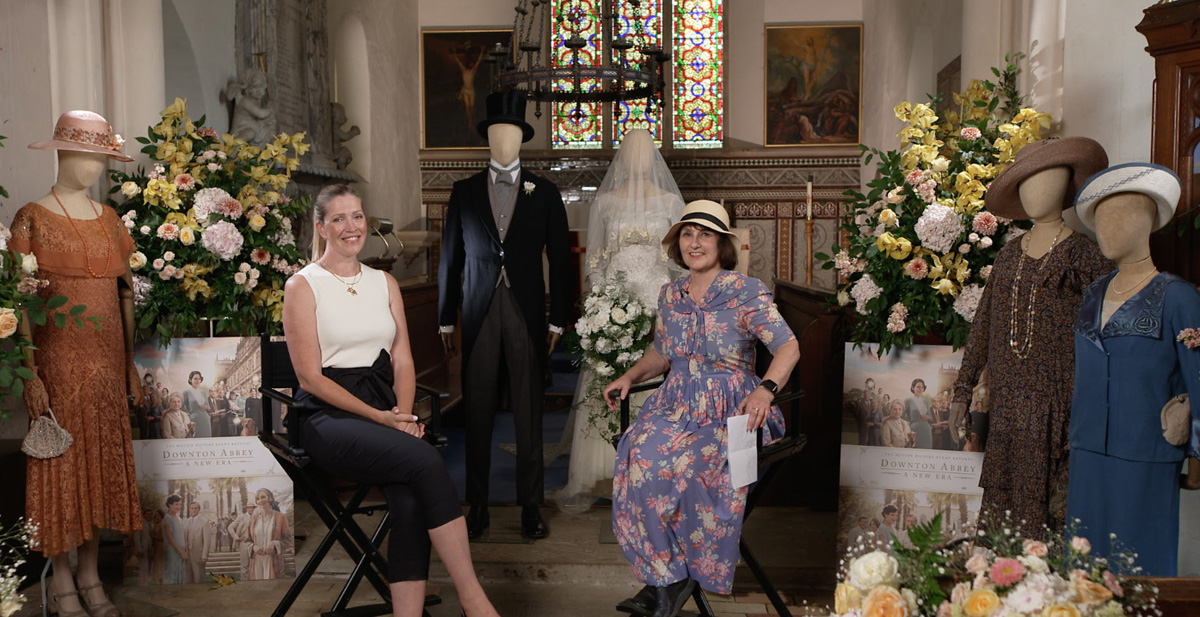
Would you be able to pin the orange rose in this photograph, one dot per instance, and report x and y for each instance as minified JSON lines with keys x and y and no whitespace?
{"x":981,"y":603}
{"x":1089,"y":592}
{"x":8,"y":322}
{"x":1060,"y":610}
{"x":884,"y":601}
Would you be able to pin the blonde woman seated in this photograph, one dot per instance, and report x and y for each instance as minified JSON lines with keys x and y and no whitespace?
{"x":348,"y":341}
{"x":896,"y":432}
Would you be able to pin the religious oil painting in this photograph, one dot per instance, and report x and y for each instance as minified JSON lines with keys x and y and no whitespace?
{"x":813,"y":85}
{"x":456,"y":79}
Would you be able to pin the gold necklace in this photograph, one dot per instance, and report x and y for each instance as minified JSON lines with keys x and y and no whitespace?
{"x":349,"y":284}
{"x":87,"y":258}
{"x":1021,"y":349}
{"x":1113,"y":285}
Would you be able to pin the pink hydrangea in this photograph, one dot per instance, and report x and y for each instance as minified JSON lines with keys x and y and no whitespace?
{"x":967,"y":303}
{"x":1006,"y":572}
{"x":927,"y":190}
{"x":970,"y":133}
{"x":985,"y":223}
{"x":914,"y":177}
{"x":222,"y":239}
{"x":863,"y":292}
{"x":847,"y":266}
{"x":895,"y":321}
{"x":208,"y":201}
{"x":938,"y":227}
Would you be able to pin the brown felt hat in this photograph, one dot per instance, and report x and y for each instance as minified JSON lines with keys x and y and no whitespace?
{"x":1082,"y":155}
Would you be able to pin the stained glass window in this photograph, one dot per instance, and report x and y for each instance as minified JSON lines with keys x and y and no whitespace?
{"x":695,"y":113}
{"x":699,"y":54}
{"x":643,"y":24}
{"x":577,"y":126}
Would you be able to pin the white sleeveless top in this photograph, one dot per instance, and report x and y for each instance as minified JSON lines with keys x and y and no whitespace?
{"x":351,"y":329}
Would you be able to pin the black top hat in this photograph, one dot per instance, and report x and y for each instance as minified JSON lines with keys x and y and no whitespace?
{"x":506,"y":107}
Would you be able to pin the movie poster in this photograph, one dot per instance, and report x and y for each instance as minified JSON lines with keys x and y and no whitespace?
{"x":902,"y":459}
{"x":215,"y":503}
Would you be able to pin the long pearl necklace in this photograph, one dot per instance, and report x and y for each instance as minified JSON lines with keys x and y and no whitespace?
{"x":1022,"y":348}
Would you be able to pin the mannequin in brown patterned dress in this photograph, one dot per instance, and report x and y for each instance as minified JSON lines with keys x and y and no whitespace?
{"x":84,"y":375}
{"x":1022,"y":333}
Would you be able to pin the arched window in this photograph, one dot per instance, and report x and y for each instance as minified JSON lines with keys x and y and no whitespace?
{"x":691,"y":31}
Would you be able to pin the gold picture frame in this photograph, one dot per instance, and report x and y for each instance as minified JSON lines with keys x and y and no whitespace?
{"x":812,"y":89}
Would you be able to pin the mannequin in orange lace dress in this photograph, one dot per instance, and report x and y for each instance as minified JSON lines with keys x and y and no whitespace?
{"x":84,"y":375}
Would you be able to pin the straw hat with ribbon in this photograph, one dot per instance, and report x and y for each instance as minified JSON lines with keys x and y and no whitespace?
{"x":704,"y":213}
{"x":84,"y":131}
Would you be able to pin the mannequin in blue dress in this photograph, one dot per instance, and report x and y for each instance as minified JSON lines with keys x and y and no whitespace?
{"x":1128,"y":363}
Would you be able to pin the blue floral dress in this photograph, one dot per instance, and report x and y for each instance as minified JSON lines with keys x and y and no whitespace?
{"x":675,"y":514}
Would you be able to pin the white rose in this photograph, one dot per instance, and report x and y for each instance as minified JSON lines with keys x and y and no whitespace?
{"x":1035,"y":564}
{"x":619,"y":316}
{"x":974,"y":237}
{"x":137,"y":260}
{"x":239,"y":278}
{"x":941,"y":163}
{"x":843,"y":298}
{"x":985,"y":242}
{"x":213,"y":166}
{"x":626,"y":342}
{"x":129,"y":189}
{"x":168,"y":256}
{"x":28,"y":263}
{"x":159,"y":263}
{"x":145,"y":230}
{"x":585,"y":343}
{"x":874,"y":568}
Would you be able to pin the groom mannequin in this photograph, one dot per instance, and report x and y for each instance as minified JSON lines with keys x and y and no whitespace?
{"x":497,"y":224}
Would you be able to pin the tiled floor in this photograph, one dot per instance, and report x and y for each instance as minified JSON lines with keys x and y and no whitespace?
{"x":578,"y":572}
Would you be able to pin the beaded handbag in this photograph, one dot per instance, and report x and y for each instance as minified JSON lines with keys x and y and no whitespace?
{"x":46,"y":439}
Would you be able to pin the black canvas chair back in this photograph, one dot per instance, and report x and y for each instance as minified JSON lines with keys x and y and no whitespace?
{"x":335,"y":502}
{"x":769,"y":458}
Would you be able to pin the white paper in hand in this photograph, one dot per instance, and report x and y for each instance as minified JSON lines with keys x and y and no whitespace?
{"x":743,"y":451}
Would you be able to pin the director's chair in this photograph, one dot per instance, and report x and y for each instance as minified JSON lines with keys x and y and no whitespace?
{"x":327,"y":495}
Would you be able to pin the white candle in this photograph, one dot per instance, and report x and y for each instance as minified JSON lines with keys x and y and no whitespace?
{"x":808,"y":185}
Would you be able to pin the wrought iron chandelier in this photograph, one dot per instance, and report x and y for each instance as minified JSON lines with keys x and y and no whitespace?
{"x":621,"y":64}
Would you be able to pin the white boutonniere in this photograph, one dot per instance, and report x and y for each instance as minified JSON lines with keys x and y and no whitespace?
{"x":528,"y":187}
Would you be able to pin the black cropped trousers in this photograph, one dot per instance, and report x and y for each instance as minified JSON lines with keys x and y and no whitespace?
{"x":410,"y":472}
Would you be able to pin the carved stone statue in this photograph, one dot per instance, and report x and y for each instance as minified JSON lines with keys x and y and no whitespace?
{"x":341,"y":154}
{"x":253,"y":118}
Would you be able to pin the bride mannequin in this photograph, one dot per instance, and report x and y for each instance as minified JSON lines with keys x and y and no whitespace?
{"x":635,"y":206}
{"x":1128,"y":363}
{"x":84,"y":375}
{"x":1022,"y":333}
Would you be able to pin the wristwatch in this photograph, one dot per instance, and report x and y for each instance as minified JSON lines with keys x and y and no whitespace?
{"x":771,"y":386}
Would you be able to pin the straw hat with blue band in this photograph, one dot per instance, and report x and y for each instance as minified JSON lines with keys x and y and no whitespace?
{"x":703,"y":212}
{"x":1155,"y":181}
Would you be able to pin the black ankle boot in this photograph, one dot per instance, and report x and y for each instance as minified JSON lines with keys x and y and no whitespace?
{"x":669,"y":600}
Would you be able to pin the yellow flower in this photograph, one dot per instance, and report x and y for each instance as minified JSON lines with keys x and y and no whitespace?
{"x":272,"y":298}
{"x":165,"y":128}
{"x":981,"y":171}
{"x":257,"y":222}
{"x":194,"y":286}
{"x":179,"y":219}
{"x":175,"y":110}
{"x":910,"y":134}
{"x":887,"y":217}
{"x":277,"y":181}
{"x":136,"y":261}
{"x":1005,"y":153}
{"x":845,"y":597}
{"x":902,"y":111}
{"x":187,"y":236}
{"x":293,"y":164}
{"x":896,"y":248}
{"x":166,"y":151}
{"x":884,"y":601}
{"x":190,"y":128}
{"x":272,"y":151}
{"x":298,"y":144}
{"x":945,"y":287}
{"x":1060,"y":610}
{"x":258,"y":174}
{"x":981,"y":603}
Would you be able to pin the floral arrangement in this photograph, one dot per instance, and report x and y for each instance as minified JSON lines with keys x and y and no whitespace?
{"x":212,"y":225}
{"x":14,"y":542}
{"x":1190,"y":337}
{"x":999,"y":573}
{"x":613,"y":334}
{"x":19,"y":286}
{"x":919,"y":245}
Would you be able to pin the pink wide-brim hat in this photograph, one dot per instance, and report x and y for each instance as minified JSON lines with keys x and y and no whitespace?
{"x":84,"y":131}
